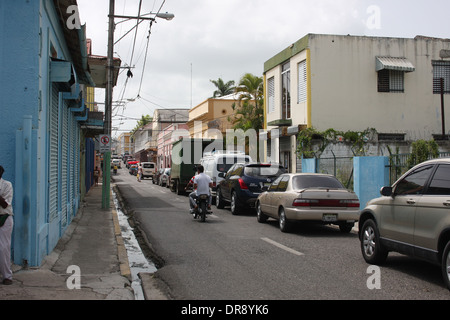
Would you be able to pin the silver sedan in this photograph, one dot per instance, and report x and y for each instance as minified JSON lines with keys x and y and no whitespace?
{"x":308,"y":197}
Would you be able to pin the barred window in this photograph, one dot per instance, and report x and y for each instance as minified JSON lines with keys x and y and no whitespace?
{"x":441,"y":70}
{"x":391,"y":81}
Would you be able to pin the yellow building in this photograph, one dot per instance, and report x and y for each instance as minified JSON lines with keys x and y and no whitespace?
{"x":214,"y":113}
{"x":124,"y":143}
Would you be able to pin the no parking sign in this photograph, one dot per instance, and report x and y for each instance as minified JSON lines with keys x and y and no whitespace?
{"x":105,"y":143}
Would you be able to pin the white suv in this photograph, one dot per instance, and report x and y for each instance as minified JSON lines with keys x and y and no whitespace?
{"x":412,"y":217}
{"x":217,"y":162}
{"x":148,"y":169}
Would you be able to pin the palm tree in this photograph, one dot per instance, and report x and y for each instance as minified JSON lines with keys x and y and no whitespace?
{"x":250,"y":108}
{"x":223,"y":89}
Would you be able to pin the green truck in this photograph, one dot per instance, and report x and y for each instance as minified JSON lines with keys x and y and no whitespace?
{"x":186,"y":155}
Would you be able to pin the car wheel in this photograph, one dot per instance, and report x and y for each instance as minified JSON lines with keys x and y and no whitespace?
{"x":260,"y":216}
{"x":285,"y":224}
{"x":219,"y":200}
{"x":371,"y":247}
{"x":446,"y":265}
{"x":234,"y":203}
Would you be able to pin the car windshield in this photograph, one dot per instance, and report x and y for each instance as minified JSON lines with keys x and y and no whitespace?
{"x":263,"y":171}
{"x":313,"y":181}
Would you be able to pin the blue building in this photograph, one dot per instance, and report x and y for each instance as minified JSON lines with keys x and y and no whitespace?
{"x":45,"y":135}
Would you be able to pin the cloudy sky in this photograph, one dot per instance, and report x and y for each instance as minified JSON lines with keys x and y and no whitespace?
{"x":211,"y":39}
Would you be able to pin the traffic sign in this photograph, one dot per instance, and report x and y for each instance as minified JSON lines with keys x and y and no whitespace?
{"x":105,"y":143}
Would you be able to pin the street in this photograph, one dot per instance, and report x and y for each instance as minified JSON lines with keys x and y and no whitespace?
{"x":236,"y":258}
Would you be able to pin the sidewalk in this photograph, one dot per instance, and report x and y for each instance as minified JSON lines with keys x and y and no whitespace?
{"x":92,"y":242}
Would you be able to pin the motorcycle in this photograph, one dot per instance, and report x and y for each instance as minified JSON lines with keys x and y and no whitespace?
{"x":202,"y":207}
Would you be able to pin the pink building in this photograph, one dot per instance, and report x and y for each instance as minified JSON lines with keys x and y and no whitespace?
{"x":164,"y":144}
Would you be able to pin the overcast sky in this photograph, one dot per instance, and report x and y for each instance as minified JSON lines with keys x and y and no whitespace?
{"x":211,"y":39}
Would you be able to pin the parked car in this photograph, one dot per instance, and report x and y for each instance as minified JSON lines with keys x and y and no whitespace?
{"x":219,"y":162}
{"x":131,"y":162}
{"x":308,"y":197}
{"x":243,"y":183}
{"x":157,"y":175}
{"x":116,"y":162}
{"x":148,"y":169}
{"x":133,"y":169}
{"x":412,"y":217}
{"x":164,"y":179}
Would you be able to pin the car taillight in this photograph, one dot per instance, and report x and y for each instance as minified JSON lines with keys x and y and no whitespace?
{"x":242,"y":184}
{"x":325,"y":203}
{"x":214,"y":182}
{"x":350,"y":203}
{"x":304,"y":203}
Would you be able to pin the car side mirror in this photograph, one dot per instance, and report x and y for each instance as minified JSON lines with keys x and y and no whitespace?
{"x":221,"y":175}
{"x":386,"y":191}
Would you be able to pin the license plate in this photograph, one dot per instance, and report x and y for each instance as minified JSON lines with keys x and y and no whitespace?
{"x":329,"y":217}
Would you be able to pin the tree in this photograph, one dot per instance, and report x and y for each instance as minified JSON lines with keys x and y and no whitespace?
{"x":250,"y":108}
{"x":223,"y":89}
{"x":142,"y":123}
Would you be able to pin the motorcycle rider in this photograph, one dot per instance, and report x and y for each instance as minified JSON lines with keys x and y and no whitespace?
{"x":202,"y":185}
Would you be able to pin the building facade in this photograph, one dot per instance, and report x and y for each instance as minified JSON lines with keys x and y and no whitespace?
{"x":46,"y":152}
{"x":351,"y":83}
{"x":214,"y":113}
{"x":124,"y":145}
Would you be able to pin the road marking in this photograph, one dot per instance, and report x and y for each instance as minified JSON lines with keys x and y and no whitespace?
{"x":279,"y":245}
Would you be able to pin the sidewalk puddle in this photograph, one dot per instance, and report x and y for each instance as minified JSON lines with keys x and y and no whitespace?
{"x":138,"y":262}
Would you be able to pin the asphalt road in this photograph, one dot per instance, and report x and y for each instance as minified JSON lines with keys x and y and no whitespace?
{"x":236,"y":258}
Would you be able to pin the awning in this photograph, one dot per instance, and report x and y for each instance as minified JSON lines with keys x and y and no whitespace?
{"x":393,"y":63}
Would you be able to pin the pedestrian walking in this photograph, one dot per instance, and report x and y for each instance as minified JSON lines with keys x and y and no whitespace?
{"x":96,"y":175}
{"x":6,"y":228}
{"x":139,"y":173}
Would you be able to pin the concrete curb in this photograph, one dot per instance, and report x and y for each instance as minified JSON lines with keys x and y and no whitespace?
{"x":121,"y":249}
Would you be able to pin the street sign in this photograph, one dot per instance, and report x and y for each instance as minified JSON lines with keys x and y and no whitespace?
{"x":105,"y":143}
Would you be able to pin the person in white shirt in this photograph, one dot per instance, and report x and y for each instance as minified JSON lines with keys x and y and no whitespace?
{"x":202,"y":185}
{"x":6,"y":228}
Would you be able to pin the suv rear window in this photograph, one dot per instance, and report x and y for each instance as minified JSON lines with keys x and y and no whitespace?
{"x":263,"y":171}
{"x":303,"y":182}
{"x":149,"y":165}
{"x":225,"y":163}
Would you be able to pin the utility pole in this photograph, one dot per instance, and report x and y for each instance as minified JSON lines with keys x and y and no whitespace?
{"x":108,"y":108}
{"x":106,"y":192}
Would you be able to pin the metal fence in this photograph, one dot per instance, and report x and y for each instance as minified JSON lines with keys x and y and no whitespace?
{"x":398,"y":165}
{"x":340,"y":167}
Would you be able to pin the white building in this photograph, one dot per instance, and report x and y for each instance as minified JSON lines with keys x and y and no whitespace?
{"x":354,"y":83}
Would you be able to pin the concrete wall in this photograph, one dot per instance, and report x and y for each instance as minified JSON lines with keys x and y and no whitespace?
{"x":370,"y":175}
{"x":345,"y":93}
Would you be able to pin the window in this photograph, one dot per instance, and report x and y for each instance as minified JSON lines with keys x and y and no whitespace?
{"x":271,"y":94}
{"x":302,"y":83}
{"x":414,"y":182}
{"x":441,"y":70}
{"x":440,"y":185}
{"x":391,"y":81}
{"x":283,"y":184}
{"x":274,"y":185}
{"x":315,"y":181}
{"x":286,"y":91}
